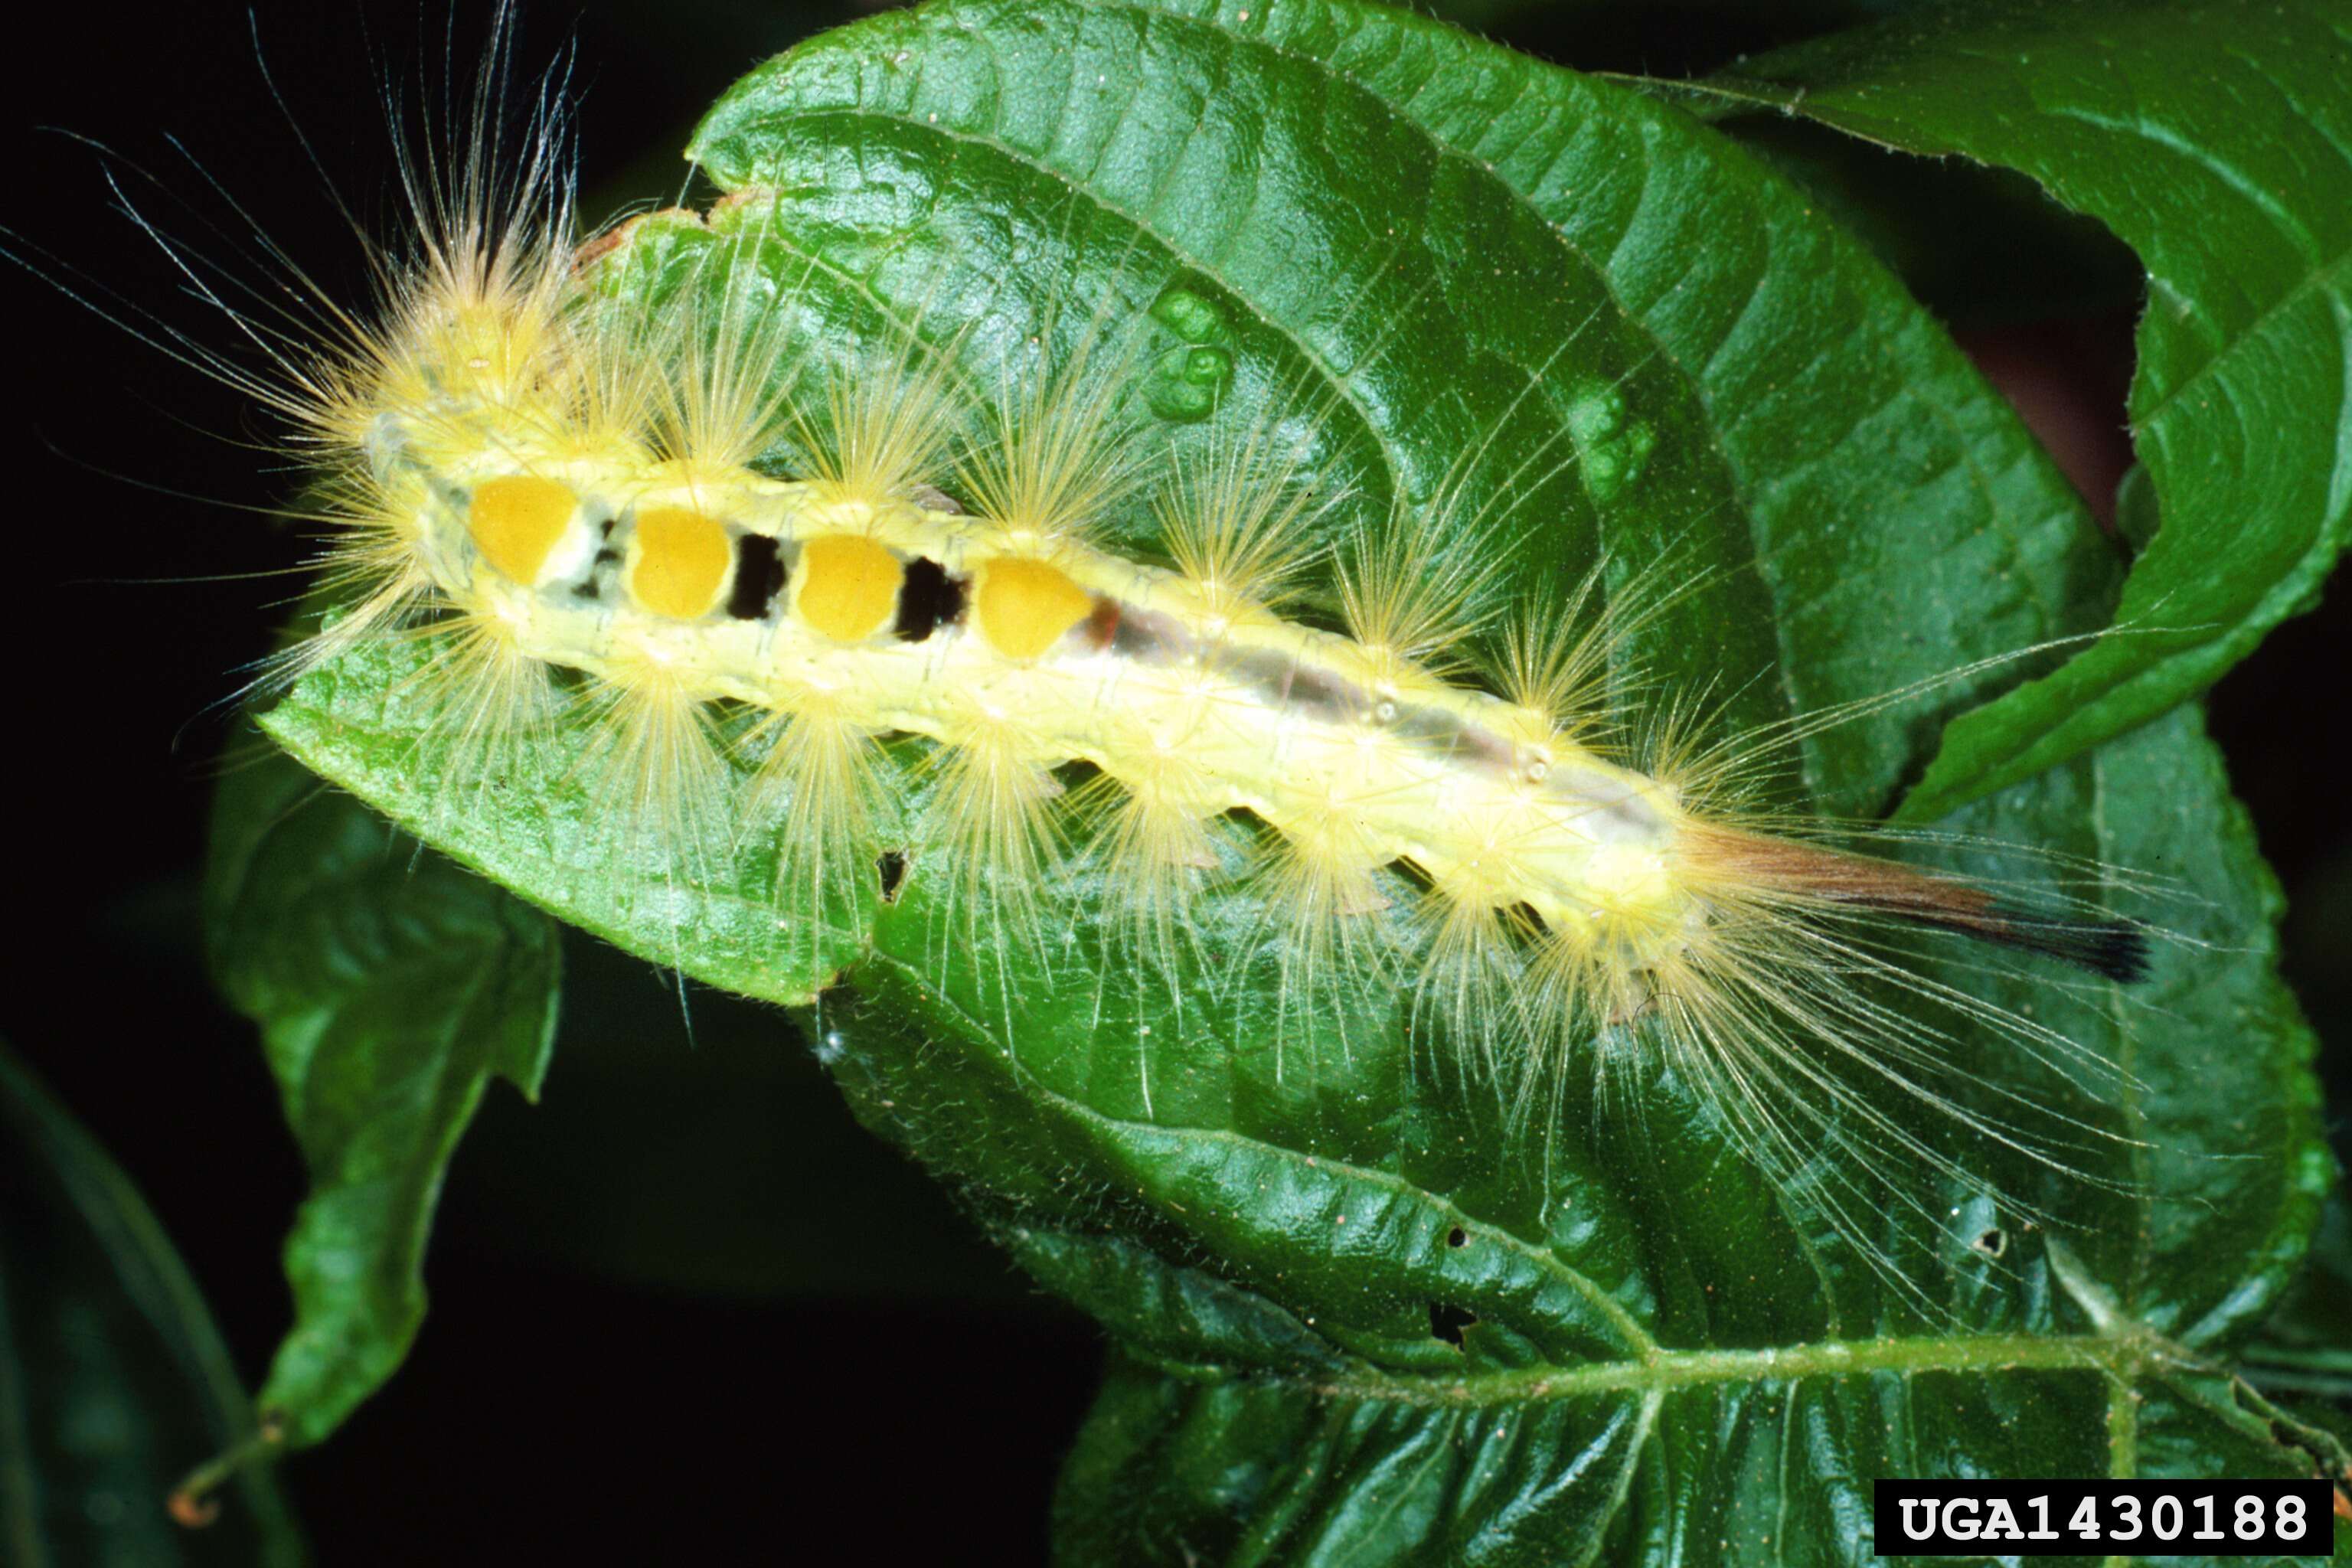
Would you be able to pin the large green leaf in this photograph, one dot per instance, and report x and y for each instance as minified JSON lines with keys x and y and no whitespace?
{"x":390,"y":987}
{"x":1362,"y":1317}
{"x":113,"y":1381}
{"x":2216,"y":140}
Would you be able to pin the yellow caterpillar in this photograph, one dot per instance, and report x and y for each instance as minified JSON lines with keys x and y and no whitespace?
{"x":539,"y":481}
{"x":500,"y":483}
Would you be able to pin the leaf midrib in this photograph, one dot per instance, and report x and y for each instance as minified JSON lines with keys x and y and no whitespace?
{"x":1669,"y":1371}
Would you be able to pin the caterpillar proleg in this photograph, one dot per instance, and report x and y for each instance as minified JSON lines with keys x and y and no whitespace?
{"x":953,"y":601}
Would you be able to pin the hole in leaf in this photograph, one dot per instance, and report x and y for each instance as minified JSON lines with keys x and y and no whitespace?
{"x":1446,"y":1322}
{"x":892,"y":867}
{"x":1458,"y":1237}
{"x":1992,"y":1243}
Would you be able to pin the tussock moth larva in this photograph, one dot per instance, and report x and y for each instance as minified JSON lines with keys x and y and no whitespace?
{"x":577,"y":506}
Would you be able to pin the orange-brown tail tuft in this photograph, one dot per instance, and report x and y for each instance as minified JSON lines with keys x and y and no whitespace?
{"x":2112,"y":948}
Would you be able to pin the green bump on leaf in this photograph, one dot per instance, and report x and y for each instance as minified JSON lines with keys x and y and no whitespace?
{"x":1187,"y":382}
{"x":1189,"y":316}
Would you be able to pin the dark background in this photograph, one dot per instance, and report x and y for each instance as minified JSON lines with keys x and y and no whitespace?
{"x":686,"y":1300}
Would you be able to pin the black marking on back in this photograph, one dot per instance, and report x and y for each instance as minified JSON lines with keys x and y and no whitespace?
{"x":928,"y":600}
{"x":759,"y":578}
{"x":599,"y":577}
{"x":1150,"y":636}
{"x":594,"y":581}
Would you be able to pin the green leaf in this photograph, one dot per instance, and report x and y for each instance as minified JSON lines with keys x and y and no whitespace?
{"x":2216,"y":140}
{"x":1358,"y":1316}
{"x":113,"y":1381}
{"x":390,"y":987}
{"x":2306,"y":1345}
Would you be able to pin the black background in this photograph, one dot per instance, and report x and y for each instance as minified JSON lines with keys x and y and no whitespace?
{"x":685,"y":1300}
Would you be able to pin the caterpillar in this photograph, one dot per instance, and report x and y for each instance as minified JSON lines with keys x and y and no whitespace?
{"x":581,"y":507}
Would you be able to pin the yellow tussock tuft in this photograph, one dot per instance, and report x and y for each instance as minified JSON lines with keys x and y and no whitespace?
{"x":1058,"y":460}
{"x":887,"y":428}
{"x":995,"y":829}
{"x":657,"y":772}
{"x":730,"y":374}
{"x":1239,"y":527}
{"x":1410,"y":593}
{"x":490,"y":703}
{"x":820,"y":788}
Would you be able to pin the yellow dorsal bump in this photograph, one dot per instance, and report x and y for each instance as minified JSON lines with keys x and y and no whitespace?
{"x":1026,"y":607}
{"x":848,"y":586}
{"x":678,"y":562}
{"x":516,"y":520}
